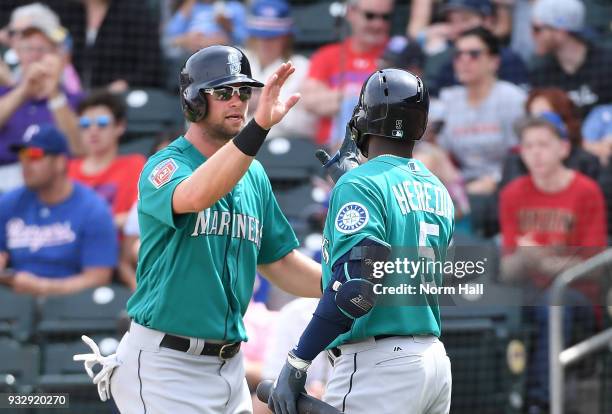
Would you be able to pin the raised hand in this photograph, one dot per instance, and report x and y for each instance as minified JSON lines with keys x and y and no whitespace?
{"x":344,"y":160}
{"x":270,"y":110}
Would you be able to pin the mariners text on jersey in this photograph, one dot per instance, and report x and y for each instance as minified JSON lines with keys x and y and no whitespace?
{"x":218,"y":223}
{"x":422,"y":196}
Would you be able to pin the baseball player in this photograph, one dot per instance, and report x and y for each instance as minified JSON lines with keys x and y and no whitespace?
{"x":208,"y":218}
{"x":387,"y":359}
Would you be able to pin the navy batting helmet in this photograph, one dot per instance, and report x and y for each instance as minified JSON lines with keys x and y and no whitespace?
{"x":394,"y":104}
{"x":211,"y":67}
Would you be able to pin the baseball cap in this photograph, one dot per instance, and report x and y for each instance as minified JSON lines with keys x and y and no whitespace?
{"x":482,"y":7}
{"x":54,"y":32}
{"x":402,"y":52}
{"x":269,"y":18}
{"x":553,"y":119}
{"x":46,"y":137}
{"x":565,"y":15}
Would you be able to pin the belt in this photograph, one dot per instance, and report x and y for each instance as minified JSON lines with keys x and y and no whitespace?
{"x":336,"y":352}
{"x":223,"y":351}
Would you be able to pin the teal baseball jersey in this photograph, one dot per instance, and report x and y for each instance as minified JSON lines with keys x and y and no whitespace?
{"x":196,"y":271}
{"x":400,"y":204}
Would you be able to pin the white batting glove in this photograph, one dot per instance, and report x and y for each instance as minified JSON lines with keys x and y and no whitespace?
{"x":102,"y":379}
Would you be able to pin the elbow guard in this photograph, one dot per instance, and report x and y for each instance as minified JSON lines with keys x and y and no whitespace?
{"x":355,"y":298}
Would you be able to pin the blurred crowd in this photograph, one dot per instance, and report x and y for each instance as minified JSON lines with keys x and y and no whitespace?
{"x":520,"y":124}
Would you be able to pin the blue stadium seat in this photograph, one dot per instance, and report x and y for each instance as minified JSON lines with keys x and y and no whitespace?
{"x":18,"y":366}
{"x":89,"y":312}
{"x":289,"y":159}
{"x":16,"y":314}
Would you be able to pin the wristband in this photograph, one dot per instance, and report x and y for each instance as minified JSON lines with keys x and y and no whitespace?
{"x":251,"y":138}
{"x":57,"y":102}
{"x":298,"y":363}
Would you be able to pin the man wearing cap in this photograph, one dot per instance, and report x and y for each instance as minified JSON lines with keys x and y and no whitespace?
{"x":38,"y":97}
{"x":56,"y":236}
{"x":270,"y":29}
{"x":463,"y":15}
{"x":547,"y":219}
{"x":573,"y":61}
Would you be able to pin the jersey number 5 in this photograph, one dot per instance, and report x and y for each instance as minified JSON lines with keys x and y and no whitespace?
{"x":426,"y":251}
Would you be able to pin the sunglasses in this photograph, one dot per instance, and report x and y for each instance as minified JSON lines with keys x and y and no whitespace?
{"x":102,"y":121}
{"x":472,"y":53}
{"x":225,"y":93}
{"x":369,"y":15}
{"x":31,"y":154}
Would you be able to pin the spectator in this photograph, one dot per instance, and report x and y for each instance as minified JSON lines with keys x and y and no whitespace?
{"x":403,"y":53}
{"x":521,"y":40}
{"x":58,"y":235}
{"x":116,"y":43}
{"x":597,"y":132}
{"x":337,"y":71}
{"x":39,"y":15}
{"x":463,"y":15}
{"x":555,"y":100}
{"x":201,"y":23}
{"x":546,"y":217}
{"x":479,"y":115}
{"x":114,"y":177}
{"x":37,"y":98}
{"x":573,"y":62}
{"x":270,"y":29}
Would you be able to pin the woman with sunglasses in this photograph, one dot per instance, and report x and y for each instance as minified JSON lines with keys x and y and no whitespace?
{"x":114,"y":177}
{"x":208,"y":221}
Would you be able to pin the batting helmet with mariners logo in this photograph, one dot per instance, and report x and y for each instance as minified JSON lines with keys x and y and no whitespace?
{"x":211,"y":67}
{"x":393,"y":103}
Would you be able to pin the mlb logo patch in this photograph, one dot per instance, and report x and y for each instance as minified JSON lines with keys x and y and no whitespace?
{"x":352,"y":217}
{"x":163,"y":172}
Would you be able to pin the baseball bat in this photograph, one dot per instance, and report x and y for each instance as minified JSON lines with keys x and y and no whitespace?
{"x":306,"y":404}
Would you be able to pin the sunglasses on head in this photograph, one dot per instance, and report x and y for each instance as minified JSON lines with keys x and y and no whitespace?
{"x":102,"y":121}
{"x":472,"y":53}
{"x":31,"y":154}
{"x":369,"y":15}
{"x":225,"y":93}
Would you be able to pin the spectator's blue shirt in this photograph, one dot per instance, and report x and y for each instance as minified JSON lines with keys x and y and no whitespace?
{"x":58,"y":240}
{"x":598,"y":124}
{"x":31,"y":112}
{"x":202,"y":19}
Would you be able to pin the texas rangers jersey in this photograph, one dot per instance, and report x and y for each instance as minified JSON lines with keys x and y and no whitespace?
{"x":398,"y":203}
{"x":196,"y":271}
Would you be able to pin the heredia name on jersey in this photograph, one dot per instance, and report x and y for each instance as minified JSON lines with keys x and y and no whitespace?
{"x":219,"y":223}
{"x":417,"y":196}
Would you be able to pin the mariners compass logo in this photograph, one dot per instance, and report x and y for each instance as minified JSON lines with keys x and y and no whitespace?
{"x":352,"y":217}
{"x":234,"y":63}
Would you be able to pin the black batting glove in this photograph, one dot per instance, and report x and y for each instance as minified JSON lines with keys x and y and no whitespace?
{"x":344,"y":160}
{"x":288,"y":386}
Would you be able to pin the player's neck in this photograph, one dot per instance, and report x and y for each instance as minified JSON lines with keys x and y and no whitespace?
{"x":384,"y":146}
{"x":203,"y":141}
{"x":555,"y":181}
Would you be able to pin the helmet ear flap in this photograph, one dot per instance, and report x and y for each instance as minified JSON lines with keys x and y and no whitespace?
{"x":194,"y":104}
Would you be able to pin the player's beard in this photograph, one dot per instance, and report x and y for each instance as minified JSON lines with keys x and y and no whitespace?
{"x":220,"y":132}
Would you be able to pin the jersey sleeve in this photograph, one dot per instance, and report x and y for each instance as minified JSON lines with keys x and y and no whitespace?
{"x":156,"y":186}
{"x":100,"y":242}
{"x":592,"y":220}
{"x":278,"y":238}
{"x":356,"y":212}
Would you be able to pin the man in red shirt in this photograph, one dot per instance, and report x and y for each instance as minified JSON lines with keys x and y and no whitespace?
{"x":550,"y":220}
{"x":551,"y":206}
{"x":338,"y":70}
{"x":113,"y":177}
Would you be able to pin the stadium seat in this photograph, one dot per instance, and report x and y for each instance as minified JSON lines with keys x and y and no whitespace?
{"x":91,"y":311}
{"x":289,"y":159}
{"x":314,"y":25}
{"x":16,"y":314}
{"x":18,"y":366}
{"x":151,"y":111}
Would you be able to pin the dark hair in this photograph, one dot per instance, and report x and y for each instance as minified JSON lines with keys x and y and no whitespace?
{"x":562,"y":105}
{"x":486,"y":36}
{"x":102,"y":97}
